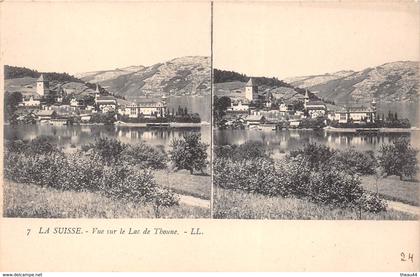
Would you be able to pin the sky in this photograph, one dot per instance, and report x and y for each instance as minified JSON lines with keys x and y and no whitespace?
{"x":296,"y":39}
{"x":89,"y":36}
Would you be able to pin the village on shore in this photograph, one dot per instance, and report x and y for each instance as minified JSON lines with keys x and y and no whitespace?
{"x":60,"y":107}
{"x":250,"y":109}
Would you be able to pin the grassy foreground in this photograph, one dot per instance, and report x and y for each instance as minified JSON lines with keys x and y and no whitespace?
{"x":392,"y":188}
{"x":31,"y":201}
{"x":183,"y":182}
{"x":241,"y":205}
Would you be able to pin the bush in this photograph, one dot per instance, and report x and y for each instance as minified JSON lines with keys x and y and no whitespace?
{"x":40,"y":169}
{"x":144,"y":156}
{"x":294,"y":177}
{"x":43,"y":145}
{"x":334,"y":188}
{"x":371,"y":202}
{"x":16,"y":146}
{"x":255,"y":175}
{"x":314,"y":155}
{"x":398,"y":158}
{"x":109,"y":150}
{"x":354,"y":161}
{"x":189,"y":153}
{"x":82,"y":172}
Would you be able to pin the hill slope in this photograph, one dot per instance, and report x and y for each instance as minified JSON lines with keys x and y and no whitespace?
{"x":181,"y":76}
{"x":232,"y":84}
{"x":390,"y":82}
{"x":23,"y":80}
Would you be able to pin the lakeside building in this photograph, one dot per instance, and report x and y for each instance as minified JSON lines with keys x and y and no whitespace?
{"x":44,"y":115}
{"x":254,"y":119}
{"x":238,"y":105}
{"x":314,"y":108}
{"x":145,"y":107}
{"x":355,"y":114}
{"x":106,"y":103}
{"x":251,"y":107}
{"x":31,"y":101}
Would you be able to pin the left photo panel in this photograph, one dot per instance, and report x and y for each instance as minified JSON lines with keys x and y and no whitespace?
{"x":107,"y":110}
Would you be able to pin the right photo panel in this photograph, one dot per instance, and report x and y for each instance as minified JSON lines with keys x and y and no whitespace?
{"x":315,"y":111}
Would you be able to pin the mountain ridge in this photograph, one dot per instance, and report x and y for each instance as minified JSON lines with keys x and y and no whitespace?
{"x":390,"y":82}
{"x":188,"y":75}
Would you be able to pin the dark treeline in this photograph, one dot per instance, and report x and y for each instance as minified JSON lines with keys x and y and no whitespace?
{"x":12,"y":72}
{"x":223,"y":76}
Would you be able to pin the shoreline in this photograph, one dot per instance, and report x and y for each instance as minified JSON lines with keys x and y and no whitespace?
{"x":171,"y":125}
{"x":380,"y":130}
{"x":120,"y":124}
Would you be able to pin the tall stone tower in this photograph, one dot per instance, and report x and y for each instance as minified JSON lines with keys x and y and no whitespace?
{"x":42,"y":86}
{"x":251,"y":90}
{"x":306,"y":99}
{"x":97,"y":92}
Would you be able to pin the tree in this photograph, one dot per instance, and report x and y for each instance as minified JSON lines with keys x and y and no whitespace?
{"x":298,"y":105}
{"x":220,"y":106}
{"x":11,"y":102}
{"x":89,"y":100}
{"x":189,"y":153}
{"x":50,"y":98}
{"x":390,"y":116}
{"x":398,"y":158}
{"x":108,"y":149}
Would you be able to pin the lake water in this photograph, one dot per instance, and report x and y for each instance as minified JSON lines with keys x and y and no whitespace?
{"x":284,"y":141}
{"x":68,"y":136}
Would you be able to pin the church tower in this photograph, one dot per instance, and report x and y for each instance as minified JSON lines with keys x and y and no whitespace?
{"x":42,"y":86}
{"x":251,"y":90}
{"x":306,"y":99}
{"x":97,"y":92}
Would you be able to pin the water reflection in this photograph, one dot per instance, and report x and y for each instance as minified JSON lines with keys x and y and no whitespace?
{"x":280,"y":141}
{"x":70,"y":136}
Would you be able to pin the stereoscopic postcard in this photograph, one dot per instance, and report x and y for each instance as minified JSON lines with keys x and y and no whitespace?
{"x":210,"y":136}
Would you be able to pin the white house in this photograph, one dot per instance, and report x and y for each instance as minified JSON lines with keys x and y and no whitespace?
{"x":147,"y":108}
{"x":31,"y":101}
{"x":238,"y":105}
{"x":314,"y":108}
{"x":355,"y":114}
{"x":106,"y":103}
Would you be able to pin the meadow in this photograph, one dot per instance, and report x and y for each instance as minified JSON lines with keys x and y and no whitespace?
{"x":392,"y":188}
{"x":315,"y":182}
{"x":243,"y":205}
{"x":104,"y":179}
{"x":32,"y":201}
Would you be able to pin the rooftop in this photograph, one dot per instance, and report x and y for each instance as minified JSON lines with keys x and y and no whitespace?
{"x":41,"y":78}
{"x":254,"y":117}
{"x":315,"y":103}
{"x":105,"y":98}
{"x":45,"y":112}
{"x":250,"y":83}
